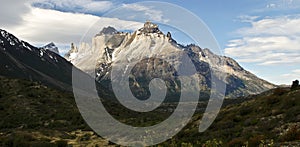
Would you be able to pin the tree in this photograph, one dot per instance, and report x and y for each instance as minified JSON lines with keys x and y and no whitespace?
{"x":295,"y":85}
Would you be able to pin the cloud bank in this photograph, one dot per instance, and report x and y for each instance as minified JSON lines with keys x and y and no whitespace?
{"x":269,"y":41}
{"x":40,"y":26}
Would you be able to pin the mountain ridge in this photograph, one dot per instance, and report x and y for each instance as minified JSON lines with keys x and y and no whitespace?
{"x":109,"y":50}
{"x":20,"y":59}
{"x":51,"y":47}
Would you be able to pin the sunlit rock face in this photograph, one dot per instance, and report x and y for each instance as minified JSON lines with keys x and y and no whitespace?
{"x":149,"y":45}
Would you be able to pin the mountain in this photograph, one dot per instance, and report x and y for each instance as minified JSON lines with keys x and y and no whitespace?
{"x":19,"y":59}
{"x":107,"y":31}
{"x":116,"y":49}
{"x":51,"y":47}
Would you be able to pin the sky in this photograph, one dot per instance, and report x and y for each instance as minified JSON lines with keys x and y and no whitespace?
{"x":262,"y":35}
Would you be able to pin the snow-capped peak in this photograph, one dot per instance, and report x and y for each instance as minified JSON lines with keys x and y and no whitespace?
{"x":11,"y":39}
{"x":51,"y":47}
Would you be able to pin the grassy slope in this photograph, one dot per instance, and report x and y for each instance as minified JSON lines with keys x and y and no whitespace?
{"x":35,"y":115}
{"x":270,"y":117}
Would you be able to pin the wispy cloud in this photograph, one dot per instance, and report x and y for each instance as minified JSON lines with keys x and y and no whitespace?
{"x":78,"y":6}
{"x":293,"y":75}
{"x":247,"y":18}
{"x":268,"y":41}
{"x":145,"y":11}
{"x":283,"y":4}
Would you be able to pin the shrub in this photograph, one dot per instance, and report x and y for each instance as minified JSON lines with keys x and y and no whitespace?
{"x":272,"y":100}
{"x":292,"y":134}
{"x":237,"y":142}
{"x":213,"y":143}
{"x":245,"y":111}
{"x":255,"y":141}
{"x":279,"y":91}
{"x":61,"y":143}
{"x":295,"y":85}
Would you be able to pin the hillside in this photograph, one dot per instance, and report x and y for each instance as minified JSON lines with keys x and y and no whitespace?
{"x":36,"y":115}
{"x":272,"y":117}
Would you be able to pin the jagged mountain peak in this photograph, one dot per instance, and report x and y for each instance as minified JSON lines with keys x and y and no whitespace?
{"x":51,"y":47}
{"x":150,"y":27}
{"x":121,"y":48}
{"x":107,"y":31}
{"x":51,"y":44}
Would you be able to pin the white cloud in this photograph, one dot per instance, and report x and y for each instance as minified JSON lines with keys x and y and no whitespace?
{"x":283,"y":4}
{"x":10,"y":11}
{"x":271,"y":5}
{"x":269,"y":41}
{"x":41,"y":26}
{"x":79,"y":6}
{"x":284,"y":25}
{"x":247,"y":18}
{"x":151,"y":13}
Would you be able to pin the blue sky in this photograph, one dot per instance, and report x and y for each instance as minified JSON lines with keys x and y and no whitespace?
{"x":262,"y":35}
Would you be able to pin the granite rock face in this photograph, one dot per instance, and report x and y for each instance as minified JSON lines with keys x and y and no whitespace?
{"x":148,"y":45}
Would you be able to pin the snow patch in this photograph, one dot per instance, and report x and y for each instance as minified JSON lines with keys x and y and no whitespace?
{"x":12,"y":43}
{"x":3,"y":34}
{"x":98,"y":74}
{"x":26,"y":46}
{"x":55,"y":59}
{"x":41,"y":53}
{"x":73,"y":56}
{"x":126,"y":68}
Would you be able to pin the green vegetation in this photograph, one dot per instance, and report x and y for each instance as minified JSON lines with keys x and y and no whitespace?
{"x":35,"y":115}
{"x":267,"y":119}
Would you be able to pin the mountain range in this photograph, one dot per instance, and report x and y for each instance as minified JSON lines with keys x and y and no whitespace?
{"x":113,"y":49}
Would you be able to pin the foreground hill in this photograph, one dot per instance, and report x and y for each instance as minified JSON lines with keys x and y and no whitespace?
{"x":35,"y":115}
{"x":271,"y":118}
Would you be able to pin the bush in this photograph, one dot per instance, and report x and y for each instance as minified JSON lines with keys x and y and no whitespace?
{"x":61,"y":143}
{"x":272,"y":100}
{"x":292,"y":134}
{"x":237,"y":142}
{"x":295,"y":85}
{"x":213,"y":143}
{"x":245,"y":111}
{"x":279,"y":91}
{"x":255,"y":141}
